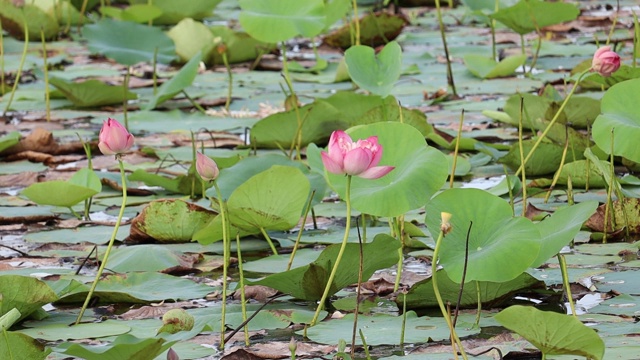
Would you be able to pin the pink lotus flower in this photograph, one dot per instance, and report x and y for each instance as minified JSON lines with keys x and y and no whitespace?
{"x":206,"y":167}
{"x":114,"y":138}
{"x":354,"y":158}
{"x":605,"y":61}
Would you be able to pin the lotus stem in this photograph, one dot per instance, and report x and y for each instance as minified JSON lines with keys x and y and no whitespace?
{"x":522,"y":159}
{"x":105,"y":258}
{"x":556,"y":176}
{"x":434,"y":281}
{"x":304,"y":221}
{"x":636,"y":37}
{"x":125,"y":101}
{"x":243,"y":299}
{"x":565,"y":283}
{"x":225,"y":262}
{"x":155,"y":69}
{"x":356,"y":21}
{"x":268,"y":238}
{"x":20,"y":66}
{"x":479,"y":310}
{"x":327,"y":288}
{"x":46,"y":75}
{"x":193,"y":102}
{"x":83,"y":9}
{"x":399,"y":224}
{"x":404,"y":318}
{"x":450,"y":80}
{"x":455,"y":151}
{"x":552,"y":122}
{"x":1,"y":60}
{"x":358,"y":292}
{"x":225,"y":60}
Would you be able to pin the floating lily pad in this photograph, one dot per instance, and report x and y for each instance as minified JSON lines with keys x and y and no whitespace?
{"x":123,"y":347}
{"x":17,"y":346}
{"x":56,"y":331}
{"x":383,"y":329}
{"x":528,"y":15}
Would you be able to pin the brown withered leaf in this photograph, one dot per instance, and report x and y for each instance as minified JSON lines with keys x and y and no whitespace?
{"x":22,"y":179}
{"x":625,"y":212}
{"x":130,"y":190}
{"x":41,"y":140}
{"x":256,"y":292}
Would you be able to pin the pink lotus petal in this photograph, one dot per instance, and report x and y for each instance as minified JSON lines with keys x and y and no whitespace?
{"x":357,"y":161}
{"x":329,"y":164}
{"x":376,"y":172}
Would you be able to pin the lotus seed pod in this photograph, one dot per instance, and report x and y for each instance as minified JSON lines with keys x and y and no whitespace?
{"x":176,"y":320}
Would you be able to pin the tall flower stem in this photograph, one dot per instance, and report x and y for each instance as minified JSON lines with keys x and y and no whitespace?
{"x":434,"y":281}
{"x":225,"y":264}
{"x":450,"y":80}
{"x":103,"y":264}
{"x":553,"y":121}
{"x":327,"y":288}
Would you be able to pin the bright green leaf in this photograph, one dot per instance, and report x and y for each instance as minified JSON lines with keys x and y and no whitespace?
{"x":375,"y":73}
{"x":177,"y":83}
{"x":91,"y":93}
{"x":275,"y":21}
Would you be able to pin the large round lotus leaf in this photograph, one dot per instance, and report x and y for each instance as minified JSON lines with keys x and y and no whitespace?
{"x":58,"y":193}
{"x":239,"y":45}
{"x":420,"y":171}
{"x":279,"y":20}
{"x":527,"y":16}
{"x":619,"y":114}
{"x":272,"y":199}
{"x":190,"y":36}
{"x":501,"y":247}
{"x":173,"y":11}
{"x":24,"y":293}
{"x":28,"y":347}
{"x":169,"y":220}
{"x":376,"y":73}
{"x":37,"y":17}
{"x":551,"y":332}
{"x":560,"y":228}
{"x":113,"y":39}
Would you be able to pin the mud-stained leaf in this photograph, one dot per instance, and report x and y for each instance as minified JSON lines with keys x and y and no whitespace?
{"x":169,"y":220}
{"x":24,"y":293}
{"x":123,"y":347}
{"x":544,"y":161}
{"x":375,"y":29}
{"x":239,"y":46}
{"x":551,"y":332}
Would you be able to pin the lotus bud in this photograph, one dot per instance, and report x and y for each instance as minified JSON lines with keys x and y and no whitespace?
{"x":206,"y":167}
{"x":114,"y":138}
{"x":445,"y":225}
{"x":605,"y":61}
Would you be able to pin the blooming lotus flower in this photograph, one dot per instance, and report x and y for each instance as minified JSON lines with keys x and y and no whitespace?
{"x":358,"y":158}
{"x":206,"y":167}
{"x":605,"y":61}
{"x":114,"y":138}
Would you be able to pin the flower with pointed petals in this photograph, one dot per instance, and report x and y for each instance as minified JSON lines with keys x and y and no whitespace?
{"x":206,"y":167}
{"x":358,"y":158}
{"x":114,"y":138}
{"x":605,"y":61}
